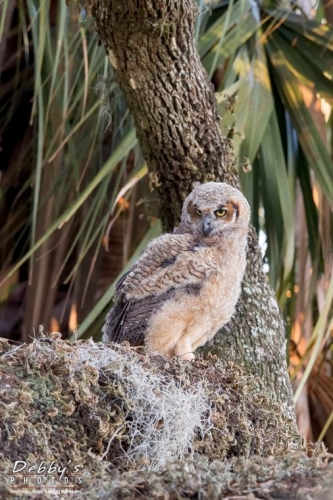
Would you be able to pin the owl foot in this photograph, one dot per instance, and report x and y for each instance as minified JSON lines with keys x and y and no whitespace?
{"x":183,"y":349}
{"x":188,"y":356}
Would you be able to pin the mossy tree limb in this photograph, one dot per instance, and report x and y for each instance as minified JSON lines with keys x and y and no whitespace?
{"x":151,"y":47}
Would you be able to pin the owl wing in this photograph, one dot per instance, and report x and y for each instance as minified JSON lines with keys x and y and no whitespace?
{"x":128,"y":319}
{"x":157,"y":254}
{"x":170,"y":263}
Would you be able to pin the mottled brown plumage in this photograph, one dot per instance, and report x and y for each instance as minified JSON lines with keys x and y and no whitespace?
{"x":185,"y":285}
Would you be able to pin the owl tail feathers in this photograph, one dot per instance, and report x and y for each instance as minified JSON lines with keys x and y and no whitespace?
{"x":122,"y":324}
{"x":113,"y":326}
{"x":107,"y":329}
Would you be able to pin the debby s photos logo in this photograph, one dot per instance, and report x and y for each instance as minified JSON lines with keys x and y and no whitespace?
{"x":48,"y":477}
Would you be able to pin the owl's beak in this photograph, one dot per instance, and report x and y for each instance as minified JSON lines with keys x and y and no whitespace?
{"x":207,"y":224}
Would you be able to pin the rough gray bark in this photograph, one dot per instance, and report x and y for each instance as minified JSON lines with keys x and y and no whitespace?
{"x":150,"y":45}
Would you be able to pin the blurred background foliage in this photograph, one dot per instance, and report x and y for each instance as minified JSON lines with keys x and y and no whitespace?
{"x":76,"y":207}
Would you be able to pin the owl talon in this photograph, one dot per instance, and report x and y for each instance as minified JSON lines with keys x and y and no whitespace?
{"x":188,"y":356}
{"x":183,"y":349}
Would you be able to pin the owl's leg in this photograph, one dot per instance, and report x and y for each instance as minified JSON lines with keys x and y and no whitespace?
{"x":164,"y":341}
{"x":167,"y":332}
{"x":162,"y":335}
{"x":184,"y":349}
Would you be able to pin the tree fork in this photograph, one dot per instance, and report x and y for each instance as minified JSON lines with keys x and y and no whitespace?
{"x":151,"y":47}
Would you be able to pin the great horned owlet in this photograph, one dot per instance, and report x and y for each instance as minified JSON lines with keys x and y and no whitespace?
{"x":185,"y":285}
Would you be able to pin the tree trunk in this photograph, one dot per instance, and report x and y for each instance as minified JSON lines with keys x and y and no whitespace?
{"x":151,"y":47}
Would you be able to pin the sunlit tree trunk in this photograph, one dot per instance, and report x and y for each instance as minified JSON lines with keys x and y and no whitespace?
{"x":150,"y":45}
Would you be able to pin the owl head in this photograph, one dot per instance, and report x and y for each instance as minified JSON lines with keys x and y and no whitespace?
{"x":214,"y":208}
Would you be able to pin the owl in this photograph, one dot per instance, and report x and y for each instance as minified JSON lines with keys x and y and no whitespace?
{"x":185,"y":285}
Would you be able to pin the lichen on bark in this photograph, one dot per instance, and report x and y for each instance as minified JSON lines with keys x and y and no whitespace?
{"x":151,"y":47}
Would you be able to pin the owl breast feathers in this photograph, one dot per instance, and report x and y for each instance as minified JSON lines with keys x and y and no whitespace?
{"x":185,"y":285}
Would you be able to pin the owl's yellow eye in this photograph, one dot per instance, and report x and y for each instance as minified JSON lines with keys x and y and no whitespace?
{"x":221,"y":212}
{"x":199,"y":213}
